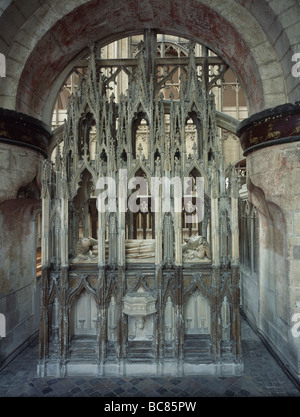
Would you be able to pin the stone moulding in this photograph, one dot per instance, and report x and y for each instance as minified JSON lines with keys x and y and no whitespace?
{"x":26,"y":131}
{"x":270,"y":127}
{"x":171,"y":368}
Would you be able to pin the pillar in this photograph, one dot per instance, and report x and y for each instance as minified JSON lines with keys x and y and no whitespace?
{"x":122,"y":204}
{"x":101,"y":238}
{"x":234,"y":220}
{"x":23,"y":146}
{"x":215,"y":240}
{"x":178,"y":238}
{"x":158,"y":229}
{"x":64,"y":246}
{"x":271,"y":145}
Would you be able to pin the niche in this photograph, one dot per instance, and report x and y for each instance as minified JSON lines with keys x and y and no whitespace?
{"x":193,"y":135}
{"x":84,"y":315}
{"x":140,"y":136}
{"x":169,"y":315}
{"x":225,"y":315}
{"x":112,"y":320}
{"x":197,"y":314}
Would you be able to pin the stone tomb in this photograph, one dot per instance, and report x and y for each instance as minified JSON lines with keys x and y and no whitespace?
{"x":145,"y":292}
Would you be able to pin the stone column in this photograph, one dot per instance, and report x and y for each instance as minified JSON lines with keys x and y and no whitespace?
{"x":23,"y":146}
{"x":123,"y":322}
{"x":122,"y":204}
{"x":216,"y":327}
{"x":44,"y":317}
{"x":44,"y":323}
{"x":235,"y":317}
{"x":159,"y":324}
{"x":121,"y":239}
{"x":112,"y":240}
{"x":215,"y":238}
{"x":64,"y":276}
{"x":64,"y":247}
{"x":64,"y":322}
{"x":45,"y":220}
{"x":179,"y":320}
{"x":158,"y":229}
{"x":235,"y":276}
{"x":271,"y":144}
{"x":178,"y":238}
{"x":102,"y":328}
{"x":234,"y":220}
{"x":101,"y":239}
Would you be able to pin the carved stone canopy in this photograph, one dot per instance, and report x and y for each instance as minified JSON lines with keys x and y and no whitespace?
{"x":139,"y":303}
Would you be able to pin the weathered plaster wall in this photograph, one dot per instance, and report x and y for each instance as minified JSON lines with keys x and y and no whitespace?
{"x":273,"y":184}
{"x":18,"y":167}
{"x":250,"y":295}
{"x":19,"y":289}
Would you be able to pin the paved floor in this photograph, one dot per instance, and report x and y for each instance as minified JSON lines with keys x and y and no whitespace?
{"x":263,"y":377}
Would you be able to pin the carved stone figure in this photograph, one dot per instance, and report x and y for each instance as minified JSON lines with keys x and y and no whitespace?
{"x":140,"y":249}
{"x":139,"y":326}
{"x":84,"y":249}
{"x":195,"y":248}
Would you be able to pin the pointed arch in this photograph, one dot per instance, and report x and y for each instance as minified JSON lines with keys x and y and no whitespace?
{"x":112,"y":291}
{"x":194,"y":286}
{"x":83,"y":285}
{"x":140,"y":166}
{"x":169,"y":292}
{"x":54,"y":292}
{"x":140,"y":284}
{"x":139,"y":115}
{"x":195,"y":167}
{"x":76,"y":179}
{"x":225,"y":291}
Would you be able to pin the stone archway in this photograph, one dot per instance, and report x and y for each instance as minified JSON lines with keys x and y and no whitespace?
{"x":42,"y":42}
{"x":48,"y":51}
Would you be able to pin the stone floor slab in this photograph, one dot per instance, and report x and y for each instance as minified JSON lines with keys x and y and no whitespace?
{"x":263,"y":377}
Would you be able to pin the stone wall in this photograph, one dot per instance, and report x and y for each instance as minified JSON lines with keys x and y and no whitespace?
{"x":277,"y":173}
{"x":18,"y":168}
{"x":258,"y":39}
{"x":273,"y":178}
{"x":23,"y":142}
{"x":19,"y":288}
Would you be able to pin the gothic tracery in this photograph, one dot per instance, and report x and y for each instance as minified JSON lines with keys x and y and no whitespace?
{"x":134,"y":297}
